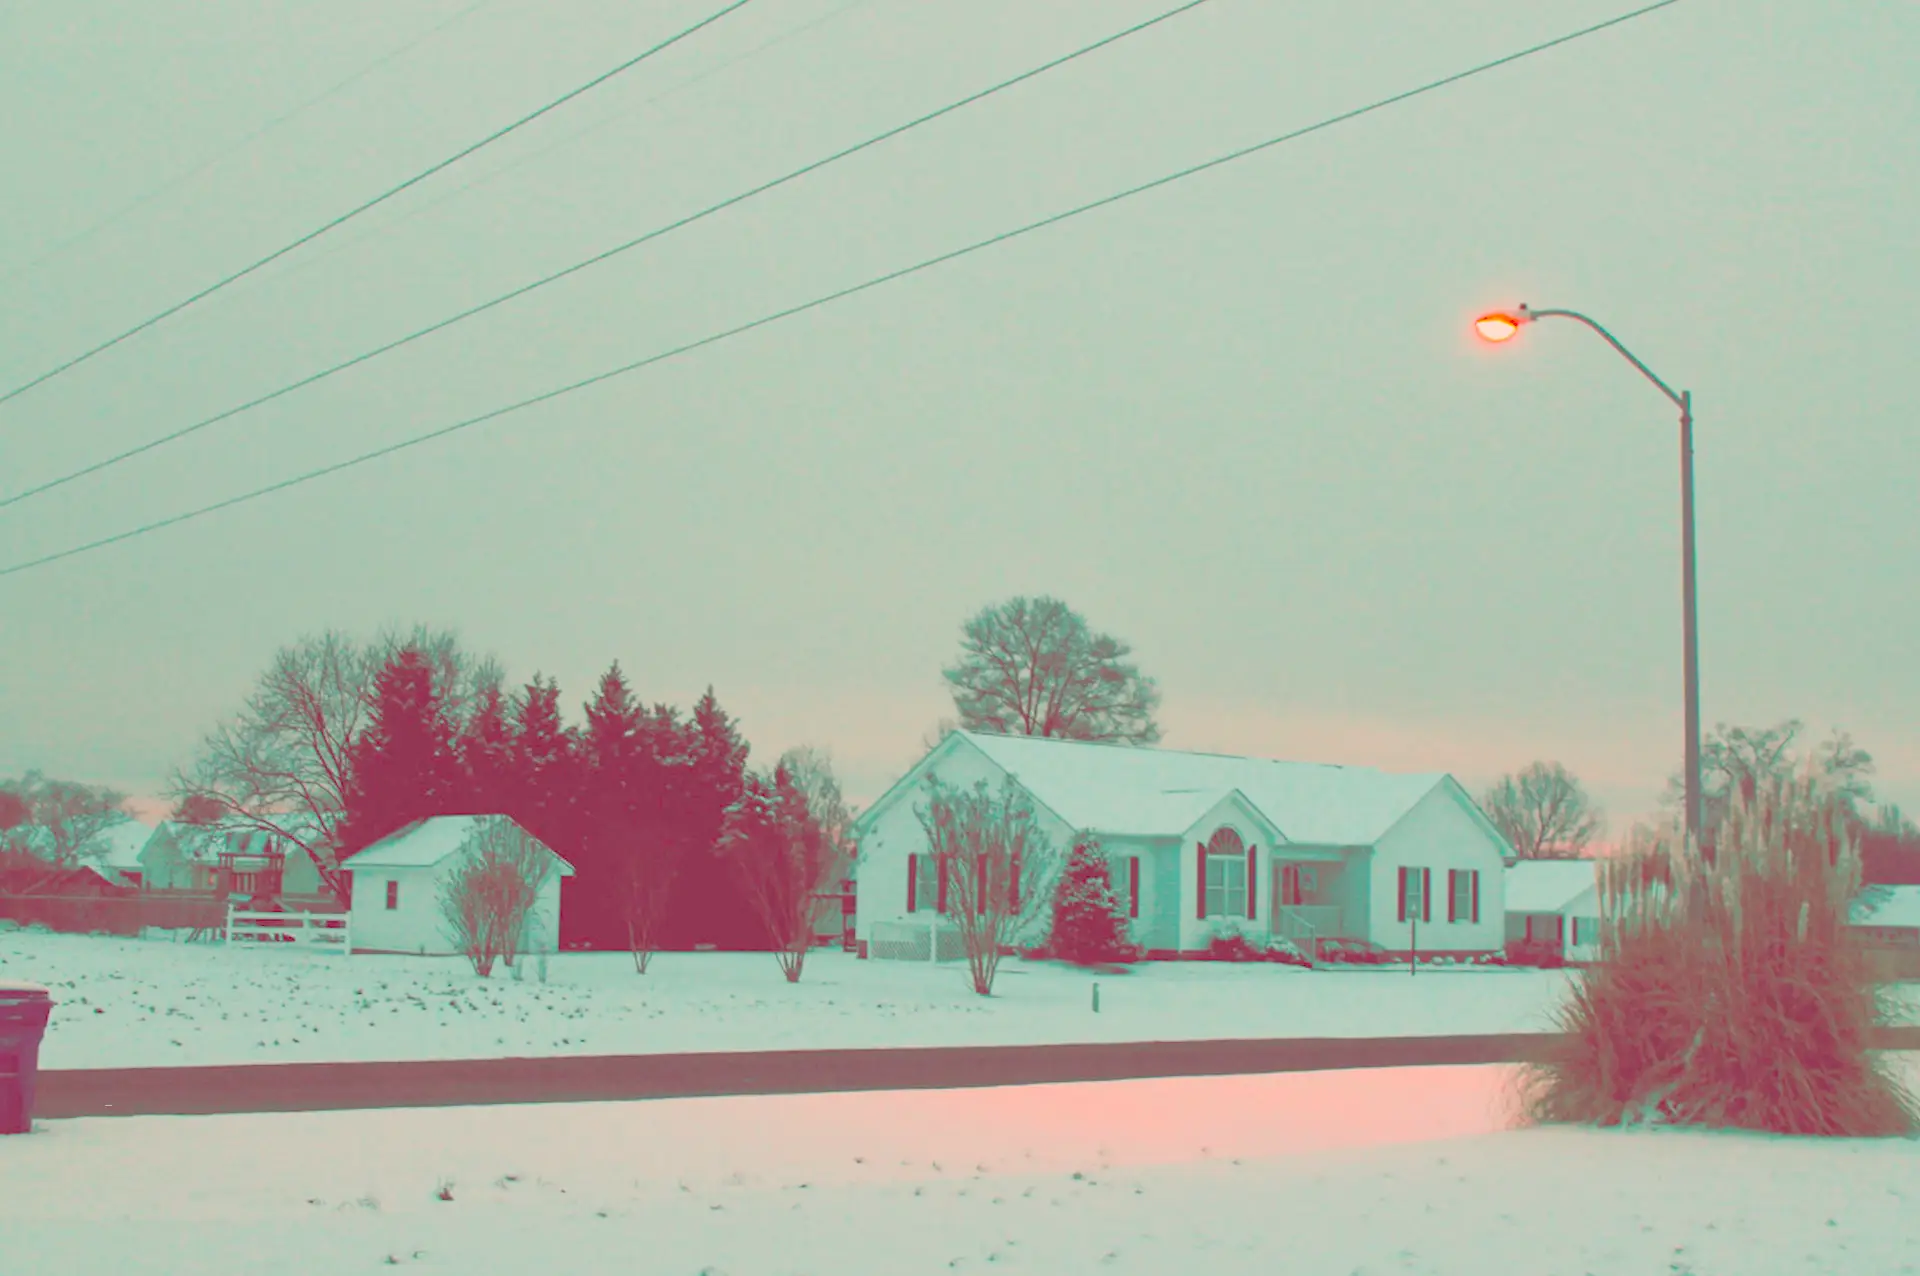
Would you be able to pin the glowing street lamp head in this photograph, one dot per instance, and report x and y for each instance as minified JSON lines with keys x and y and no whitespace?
{"x":1498,"y":326}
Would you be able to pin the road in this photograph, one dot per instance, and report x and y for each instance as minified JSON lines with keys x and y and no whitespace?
{"x":318,"y":1087}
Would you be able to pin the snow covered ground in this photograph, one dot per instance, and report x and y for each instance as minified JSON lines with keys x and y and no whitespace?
{"x":132,"y":1003}
{"x":1408,"y":1172}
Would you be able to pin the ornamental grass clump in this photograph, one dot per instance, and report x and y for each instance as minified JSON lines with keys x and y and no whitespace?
{"x":1730,"y":991}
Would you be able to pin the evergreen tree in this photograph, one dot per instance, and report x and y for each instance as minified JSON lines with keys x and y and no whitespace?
{"x":1088,"y":926}
{"x":403,"y":766}
{"x":544,"y":772}
{"x":486,"y":750}
{"x":609,"y":807}
{"x":710,"y":902}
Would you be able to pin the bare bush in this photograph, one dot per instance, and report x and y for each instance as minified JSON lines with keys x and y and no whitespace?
{"x":787,"y":838}
{"x":488,"y":900}
{"x":1730,"y":992}
{"x":998,"y":870}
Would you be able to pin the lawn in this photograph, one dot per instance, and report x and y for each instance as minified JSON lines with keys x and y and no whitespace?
{"x":1412,"y":1172}
{"x":129,"y":1002}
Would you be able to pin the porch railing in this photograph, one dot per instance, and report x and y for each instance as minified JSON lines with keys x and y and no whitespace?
{"x":1302,"y":924}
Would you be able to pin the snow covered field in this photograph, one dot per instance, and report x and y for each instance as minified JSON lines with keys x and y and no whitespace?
{"x":132,"y":1003}
{"x":1398,"y":1171}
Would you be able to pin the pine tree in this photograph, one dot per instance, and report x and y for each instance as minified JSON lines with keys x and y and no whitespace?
{"x":485,"y":747}
{"x":1088,"y":926}
{"x":544,"y":772}
{"x":403,"y":767}
{"x":710,"y":902}
{"x":609,"y":805}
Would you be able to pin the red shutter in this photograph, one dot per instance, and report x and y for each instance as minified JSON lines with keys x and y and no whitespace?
{"x":1133,"y":885}
{"x":1476,"y":895}
{"x":1403,"y":896}
{"x":940,"y":902}
{"x":1200,"y":906}
{"x":1453,"y":875}
{"x":1426,"y":894}
{"x":913,"y":880}
{"x":1253,"y":874}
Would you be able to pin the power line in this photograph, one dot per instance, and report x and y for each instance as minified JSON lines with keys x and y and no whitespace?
{"x":843,"y":293}
{"x":381,"y":198}
{"x":181,"y":179}
{"x":600,"y":257}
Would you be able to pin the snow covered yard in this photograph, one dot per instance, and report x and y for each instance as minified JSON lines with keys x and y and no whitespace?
{"x":130,"y":1002}
{"x":1396,"y":1171}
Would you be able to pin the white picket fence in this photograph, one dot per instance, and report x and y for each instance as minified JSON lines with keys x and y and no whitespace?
{"x":306,"y":930}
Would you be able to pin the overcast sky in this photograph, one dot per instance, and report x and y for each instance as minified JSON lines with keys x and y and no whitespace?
{"x":1240,"y":422}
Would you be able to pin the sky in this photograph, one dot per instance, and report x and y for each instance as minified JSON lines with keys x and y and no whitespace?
{"x":1240,"y":422}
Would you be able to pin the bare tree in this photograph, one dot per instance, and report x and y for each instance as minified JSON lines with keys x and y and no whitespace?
{"x":941,"y":730}
{"x":282,"y":765}
{"x":1031,"y":666}
{"x":488,"y":900}
{"x":1739,"y":762}
{"x":999,"y":870}
{"x":1544,"y":812}
{"x":63,"y":819}
{"x":785,"y":855}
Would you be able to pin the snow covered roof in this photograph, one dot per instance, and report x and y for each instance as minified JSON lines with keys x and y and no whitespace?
{"x":119,"y":847}
{"x":1548,"y":886}
{"x":425,"y":843}
{"x":1152,"y":792}
{"x":1887,"y":906}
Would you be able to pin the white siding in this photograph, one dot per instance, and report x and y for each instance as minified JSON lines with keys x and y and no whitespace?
{"x":1585,"y":910}
{"x":1439,"y":833}
{"x":895,"y":833}
{"x":418,"y":925}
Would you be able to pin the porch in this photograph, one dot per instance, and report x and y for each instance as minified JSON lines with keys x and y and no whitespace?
{"x":1309,"y":901}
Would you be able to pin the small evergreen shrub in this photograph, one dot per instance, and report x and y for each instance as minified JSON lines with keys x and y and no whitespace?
{"x":1089,"y":927}
{"x":1235,"y":940}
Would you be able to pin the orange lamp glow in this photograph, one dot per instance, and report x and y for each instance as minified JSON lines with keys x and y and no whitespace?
{"x":1496,"y":326}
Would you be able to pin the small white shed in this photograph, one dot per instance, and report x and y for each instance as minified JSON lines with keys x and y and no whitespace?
{"x":399,"y":882}
{"x":1556,"y":902}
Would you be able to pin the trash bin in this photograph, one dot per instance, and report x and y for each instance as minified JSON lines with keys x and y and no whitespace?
{"x":23,"y":1022}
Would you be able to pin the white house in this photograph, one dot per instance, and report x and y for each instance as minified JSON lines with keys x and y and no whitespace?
{"x":1887,"y":915}
{"x":1196,"y":840}
{"x":1556,"y":902}
{"x":398,"y":884}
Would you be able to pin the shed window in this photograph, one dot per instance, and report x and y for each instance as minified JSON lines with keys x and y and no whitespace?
{"x":393,"y":894}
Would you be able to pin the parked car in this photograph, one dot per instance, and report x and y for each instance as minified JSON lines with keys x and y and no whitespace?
{"x":1357,"y":951}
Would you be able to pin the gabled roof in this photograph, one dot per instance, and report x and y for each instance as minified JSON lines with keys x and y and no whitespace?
{"x":425,"y":843}
{"x":1153,"y":792}
{"x":119,"y":847}
{"x":1548,"y":886}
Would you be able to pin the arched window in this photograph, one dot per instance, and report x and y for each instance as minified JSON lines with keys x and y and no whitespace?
{"x":1226,"y":875}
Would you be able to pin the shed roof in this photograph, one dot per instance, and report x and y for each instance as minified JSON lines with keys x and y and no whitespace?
{"x":1123,"y":789}
{"x":1548,"y":886}
{"x":424,"y":843}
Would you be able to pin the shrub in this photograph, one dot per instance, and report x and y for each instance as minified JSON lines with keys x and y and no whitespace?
{"x":1534,"y":952}
{"x":1089,"y":926}
{"x":1235,"y":940}
{"x":1729,"y":991}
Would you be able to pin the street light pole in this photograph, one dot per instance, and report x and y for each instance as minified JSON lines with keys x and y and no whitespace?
{"x":1502,"y":325}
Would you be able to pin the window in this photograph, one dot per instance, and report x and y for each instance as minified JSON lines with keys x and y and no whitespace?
{"x":922,"y":883}
{"x":1416,"y":903}
{"x":1586,"y":930}
{"x":393,"y":894}
{"x":1463,"y":895}
{"x":1226,"y":872}
{"x":1124,"y":872}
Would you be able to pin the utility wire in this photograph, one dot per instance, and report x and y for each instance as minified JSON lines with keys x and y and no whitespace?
{"x":274,"y":123}
{"x":843,"y":293}
{"x":381,"y":198}
{"x":600,"y":257}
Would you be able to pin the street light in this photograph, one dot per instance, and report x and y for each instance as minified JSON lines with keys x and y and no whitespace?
{"x":1502,"y":325}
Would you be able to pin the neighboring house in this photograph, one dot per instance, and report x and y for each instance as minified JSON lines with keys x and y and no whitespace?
{"x":117,"y":851}
{"x":398,"y":888}
{"x":1888,"y":916}
{"x":241,"y":862}
{"x":1556,"y":902}
{"x":1198,"y":840}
